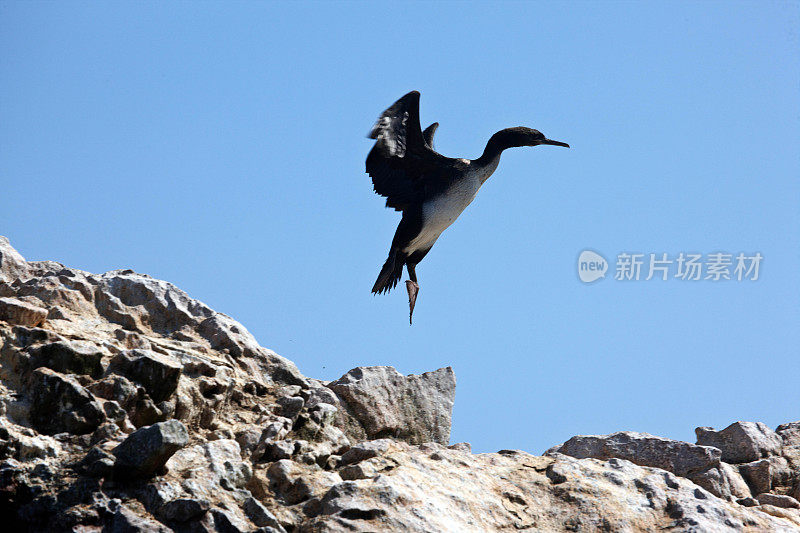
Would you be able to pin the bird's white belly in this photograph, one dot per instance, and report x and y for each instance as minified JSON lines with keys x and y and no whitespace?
{"x":440,"y":212}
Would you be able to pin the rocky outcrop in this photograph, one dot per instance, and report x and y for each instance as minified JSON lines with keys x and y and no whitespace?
{"x":126,"y":405}
{"x":384,"y":403}
{"x":742,"y":442}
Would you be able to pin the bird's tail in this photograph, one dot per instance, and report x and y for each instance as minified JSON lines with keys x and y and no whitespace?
{"x":390,"y":274}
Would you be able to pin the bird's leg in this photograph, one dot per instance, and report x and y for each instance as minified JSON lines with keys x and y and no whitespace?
{"x":413,"y":289}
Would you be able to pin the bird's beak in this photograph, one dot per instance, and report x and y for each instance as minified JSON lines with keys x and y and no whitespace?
{"x":554,"y":143}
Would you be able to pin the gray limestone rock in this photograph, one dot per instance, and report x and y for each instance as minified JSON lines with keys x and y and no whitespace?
{"x":12,"y":264}
{"x":157,"y":373}
{"x":184,"y":361}
{"x":183,"y":509}
{"x":678,"y":457}
{"x":19,"y":312}
{"x":789,"y":433}
{"x":70,"y":357}
{"x":741,"y":442}
{"x":147,"y":450}
{"x":385,"y":403}
{"x":778,"y":500}
{"x":59,"y":403}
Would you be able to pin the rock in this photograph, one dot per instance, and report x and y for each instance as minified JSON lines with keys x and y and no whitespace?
{"x":514,"y":491}
{"x":127,"y":521}
{"x":294,"y":483}
{"x":157,"y":373}
{"x":277,"y":428}
{"x":320,"y":394}
{"x":213,"y":466}
{"x":115,"y":388}
{"x":12,"y":264}
{"x":323,"y":414}
{"x":681,"y":458}
{"x":338,"y":461}
{"x":59,"y":403}
{"x":249,"y":438}
{"x":757,"y":475}
{"x":144,"y":412}
{"x":183,"y":509}
{"x":789,"y":433}
{"x":260,"y":515}
{"x":461,"y":446}
{"x":69,"y":357}
{"x":277,"y":450}
{"x":290,"y":406}
{"x":148,"y":449}
{"x":787,"y":502}
{"x":792,"y":516}
{"x":21,"y":313}
{"x":741,"y":442}
{"x":366,"y":450}
{"x":385,"y":403}
{"x":723,"y":481}
{"x":97,"y":463}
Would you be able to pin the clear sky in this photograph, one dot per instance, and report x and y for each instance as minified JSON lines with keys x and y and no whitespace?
{"x":222,"y":146}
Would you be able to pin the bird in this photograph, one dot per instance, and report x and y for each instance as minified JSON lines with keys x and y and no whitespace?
{"x":431,"y":190}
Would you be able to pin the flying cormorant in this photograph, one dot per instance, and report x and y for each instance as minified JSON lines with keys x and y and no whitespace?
{"x":430,"y":189}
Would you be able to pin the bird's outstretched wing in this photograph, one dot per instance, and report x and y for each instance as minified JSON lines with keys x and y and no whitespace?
{"x":402,"y":165}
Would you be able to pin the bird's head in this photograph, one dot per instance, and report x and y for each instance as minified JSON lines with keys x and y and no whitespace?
{"x":521,"y":136}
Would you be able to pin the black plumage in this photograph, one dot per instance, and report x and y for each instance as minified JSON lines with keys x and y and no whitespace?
{"x":430,"y":189}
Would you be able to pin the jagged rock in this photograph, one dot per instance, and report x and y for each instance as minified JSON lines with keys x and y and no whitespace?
{"x":144,"y":411}
{"x":723,"y":481}
{"x":249,"y":438}
{"x":295,"y":483}
{"x":260,"y":515}
{"x":678,"y":457}
{"x":59,"y":403}
{"x":789,"y":433}
{"x":791,"y":516}
{"x":116,"y":388}
{"x":12,"y":264}
{"x":461,"y":446}
{"x":22,"y":313}
{"x":186,"y":362}
{"x":148,"y":449}
{"x":319,"y":394}
{"x":448,"y":490}
{"x":157,"y":373}
{"x":757,"y":474}
{"x":127,"y":521}
{"x":787,"y":502}
{"x":183,"y":509}
{"x":212,"y":466}
{"x":366,"y":450}
{"x":24,"y":445}
{"x":385,"y":403}
{"x":97,"y":463}
{"x":741,"y":442}
{"x":275,"y":451}
{"x":69,"y":357}
{"x":290,"y":406}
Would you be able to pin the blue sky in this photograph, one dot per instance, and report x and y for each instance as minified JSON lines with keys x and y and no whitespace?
{"x":222,"y":146}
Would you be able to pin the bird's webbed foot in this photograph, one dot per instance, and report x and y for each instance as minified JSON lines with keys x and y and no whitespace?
{"x":413,"y":289}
